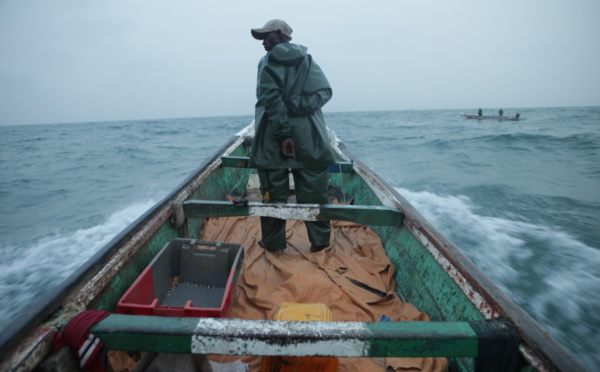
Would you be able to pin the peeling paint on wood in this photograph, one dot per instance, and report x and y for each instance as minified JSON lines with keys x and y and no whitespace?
{"x":305,"y":212}
{"x":271,"y":337}
{"x":276,"y":338}
{"x":484,"y":307}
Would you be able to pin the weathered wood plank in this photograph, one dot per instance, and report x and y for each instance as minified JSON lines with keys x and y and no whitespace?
{"x":368,"y":215}
{"x":242,"y":162}
{"x":235,"y":161}
{"x":270,"y":337}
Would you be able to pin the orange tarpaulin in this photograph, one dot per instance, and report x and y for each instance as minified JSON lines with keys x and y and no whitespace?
{"x":353,"y":277}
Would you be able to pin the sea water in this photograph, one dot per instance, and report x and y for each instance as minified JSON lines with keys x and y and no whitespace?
{"x":521,"y":199}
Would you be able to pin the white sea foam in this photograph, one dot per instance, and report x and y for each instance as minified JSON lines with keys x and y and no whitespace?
{"x":545,"y":270}
{"x":32,"y":270}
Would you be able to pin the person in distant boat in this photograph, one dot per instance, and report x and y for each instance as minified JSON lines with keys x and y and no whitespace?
{"x":290,"y":132}
{"x":479,"y":112}
{"x":501,"y":112}
{"x":517,"y":115}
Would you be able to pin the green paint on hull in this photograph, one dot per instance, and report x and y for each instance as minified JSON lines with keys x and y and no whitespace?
{"x":441,"y":298}
{"x":423,"y":282}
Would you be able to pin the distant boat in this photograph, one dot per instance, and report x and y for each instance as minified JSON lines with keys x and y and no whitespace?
{"x":510,"y":118}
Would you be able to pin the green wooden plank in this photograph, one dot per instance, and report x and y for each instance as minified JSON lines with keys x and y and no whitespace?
{"x":242,"y":162}
{"x":341,"y":167}
{"x":423,"y":339}
{"x":213,"y":208}
{"x":145,"y":333}
{"x":368,"y":215}
{"x":235,"y":161}
{"x":269,"y":337}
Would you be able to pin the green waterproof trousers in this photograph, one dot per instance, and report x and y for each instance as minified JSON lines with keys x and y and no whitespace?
{"x":311,"y":188}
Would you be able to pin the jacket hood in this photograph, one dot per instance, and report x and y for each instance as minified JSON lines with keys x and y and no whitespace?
{"x":288,"y":53}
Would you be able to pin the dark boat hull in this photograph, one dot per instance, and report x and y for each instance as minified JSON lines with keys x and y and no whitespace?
{"x":501,"y":118}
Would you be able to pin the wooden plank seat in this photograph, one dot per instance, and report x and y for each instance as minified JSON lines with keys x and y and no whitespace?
{"x":242,"y":162}
{"x":368,"y":215}
{"x":271,"y":337}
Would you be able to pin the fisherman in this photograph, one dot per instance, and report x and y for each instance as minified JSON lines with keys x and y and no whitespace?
{"x":500,"y":112}
{"x":290,"y":132}
{"x":479,"y":112}
{"x":517,"y":115}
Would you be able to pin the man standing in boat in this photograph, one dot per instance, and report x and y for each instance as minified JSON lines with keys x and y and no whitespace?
{"x":290,"y":132}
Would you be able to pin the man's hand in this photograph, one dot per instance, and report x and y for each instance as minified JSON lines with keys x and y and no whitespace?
{"x":287,"y":148}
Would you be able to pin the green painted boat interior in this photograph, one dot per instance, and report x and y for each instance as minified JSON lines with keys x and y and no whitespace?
{"x":420,"y":279}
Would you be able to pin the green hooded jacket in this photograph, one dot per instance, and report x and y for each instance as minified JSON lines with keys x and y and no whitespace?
{"x":291,"y":89}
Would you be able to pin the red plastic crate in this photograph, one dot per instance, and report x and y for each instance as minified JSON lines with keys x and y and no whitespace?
{"x":186,"y":280}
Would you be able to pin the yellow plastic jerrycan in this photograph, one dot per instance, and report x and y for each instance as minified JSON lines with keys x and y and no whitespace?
{"x":305,"y":313}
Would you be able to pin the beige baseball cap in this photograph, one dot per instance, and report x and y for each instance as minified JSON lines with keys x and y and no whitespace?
{"x":272,"y":25}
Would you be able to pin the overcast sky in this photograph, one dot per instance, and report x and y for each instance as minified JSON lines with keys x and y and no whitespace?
{"x":80,"y":61}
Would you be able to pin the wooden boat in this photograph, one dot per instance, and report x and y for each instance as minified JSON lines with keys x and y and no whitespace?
{"x":498,"y":117}
{"x":473,"y":323}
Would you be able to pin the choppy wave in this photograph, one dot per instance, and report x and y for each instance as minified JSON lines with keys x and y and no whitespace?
{"x":545,"y":270}
{"x":29,"y":271}
{"x":579,"y":141}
